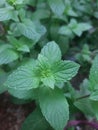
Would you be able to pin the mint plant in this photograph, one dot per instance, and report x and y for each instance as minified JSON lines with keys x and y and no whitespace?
{"x":44,"y":78}
{"x":43,"y":43}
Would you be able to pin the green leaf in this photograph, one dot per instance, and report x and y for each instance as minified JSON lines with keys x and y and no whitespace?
{"x":17,"y":44}
{"x":55,"y":108}
{"x":7,"y":56}
{"x":93,"y":77}
{"x":79,"y":28}
{"x":57,"y":6}
{"x":14,"y":31}
{"x":40,"y":13}
{"x":3,"y":77}
{"x":31,"y":30}
{"x":84,"y":105}
{"x":94,"y":96}
{"x":52,"y":52}
{"x":49,"y":81}
{"x":71,"y":12}
{"x":22,"y":94}
{"x":44,"y":71}
{"x":65,"y":30}
{"x":35,"y":121}
{"x":19,"y":1}
{"x":64,"y":70}
{"x":23,"y":78}
{"x":4,"y":47}
{"x":7,"y":14}
{"x":18,"y":101}
{"x":23,"y":48}
{"x":83,"y":90}
{"x":2,"y":2}
{"x":52,"y":69}
{"x":95,"y":108}
{"x":15,"y":2}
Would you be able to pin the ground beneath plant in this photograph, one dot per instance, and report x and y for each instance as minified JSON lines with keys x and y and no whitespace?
{"x":12,"y":116}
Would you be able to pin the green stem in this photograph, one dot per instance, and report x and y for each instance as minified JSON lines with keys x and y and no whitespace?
{"x":18,"y":15}
{"x":86,"y":96}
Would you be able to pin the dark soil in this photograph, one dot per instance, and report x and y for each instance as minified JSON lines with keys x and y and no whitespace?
{"x":11,"y":115}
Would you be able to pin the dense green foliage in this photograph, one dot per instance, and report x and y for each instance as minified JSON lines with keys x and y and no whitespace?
{"x":43,"y":43}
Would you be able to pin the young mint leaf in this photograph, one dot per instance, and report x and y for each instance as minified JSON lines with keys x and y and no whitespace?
{"x":74,"y":27}
{"x":7,"y":56}
{"x":57,"y":6}
{"x":18,"y":1}
{"x":15,"y":2}
{"x":23,"y":78}
{"x":48,"y":81}
{"x":30,"y":30}
{"x":93,"y":77}
{"x":43,"y":62}
{"x":17,"y":44}
{"x":79,"y":28}
{"x":52,"y":52}
{"x":44,"y":70}
{"x":64,"y":70}
{"x":23,"y":48}
{"x":35,"y":121}
{"x":55,"y":108}
{"x":51,"y":69}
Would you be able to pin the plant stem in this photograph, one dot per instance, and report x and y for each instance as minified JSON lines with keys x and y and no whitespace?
{"x":18,"y":15}
{"x":82,"y":97}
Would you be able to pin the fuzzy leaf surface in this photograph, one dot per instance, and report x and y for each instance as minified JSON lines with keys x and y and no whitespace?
{"x":23,"y":78}
{"x":57,"y":6}
{"x":31,"y":30}
{"x":52,"y":52}
{"x":65,"y":70}
{"x":7,"y":56}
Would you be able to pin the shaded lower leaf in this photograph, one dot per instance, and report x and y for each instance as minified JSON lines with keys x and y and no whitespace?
{"x":54,"y":107}
{"x":22,"y":94}
{"x":93,"y":77}
{"x":84,"y":105}
{"x":95,"y":108}
{"x":35,"y":121}
{"x":3,"y":77}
